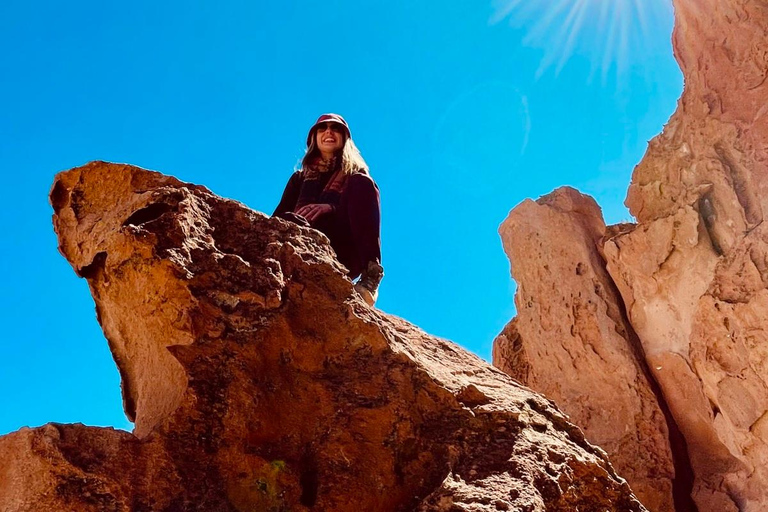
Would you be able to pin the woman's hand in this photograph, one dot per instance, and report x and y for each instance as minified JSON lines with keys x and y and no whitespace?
{"x":313,"y":211}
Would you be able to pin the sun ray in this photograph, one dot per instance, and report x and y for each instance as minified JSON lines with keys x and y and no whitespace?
{"x":622,"y":50}
{"x":602,"y":18}
{"x":562,"y":8}
{"x":610,"y":44}
{"x":544,"y":24}
{"x":641,"y":18}
{"x":573,"y":27}
{"x":503,"y":9}
{"x":610,"y":32}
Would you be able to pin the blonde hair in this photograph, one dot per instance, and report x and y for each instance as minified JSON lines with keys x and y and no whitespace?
{"x":351,"y":159}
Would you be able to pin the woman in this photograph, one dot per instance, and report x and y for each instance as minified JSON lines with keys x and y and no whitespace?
{"x":334,"y":193}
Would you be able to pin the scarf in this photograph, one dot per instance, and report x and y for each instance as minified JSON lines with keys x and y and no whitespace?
{"x":324,"y":181}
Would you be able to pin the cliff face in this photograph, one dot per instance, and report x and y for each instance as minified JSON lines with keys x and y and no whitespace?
{"x":692,"y":275}
{"x":571,"y":340}
{"x":715,"y":146}
{"x":694,"y":272}
{"x":258,"y":380}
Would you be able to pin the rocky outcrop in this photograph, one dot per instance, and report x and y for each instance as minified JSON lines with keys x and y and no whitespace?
{"x":259,"y":380}
{"x":693,"y":272}
{"x":713,"y":152}
{"x":572,"y":342}
{"x":692,"y":275}
{"x":702,"y":322}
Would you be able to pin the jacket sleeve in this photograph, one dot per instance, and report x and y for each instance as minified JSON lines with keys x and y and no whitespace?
{"x":290,"y":195}
{"x":364,"y":210}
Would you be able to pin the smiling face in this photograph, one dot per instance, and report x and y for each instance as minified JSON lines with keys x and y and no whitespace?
{"x":329,"y":138}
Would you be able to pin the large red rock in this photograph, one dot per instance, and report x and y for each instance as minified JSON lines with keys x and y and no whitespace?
{"x":259,"y":380}
{"x":571,"y":340}
{"x":694,"y":272}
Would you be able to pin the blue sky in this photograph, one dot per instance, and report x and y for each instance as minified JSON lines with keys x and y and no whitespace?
{"x":461,"y":109}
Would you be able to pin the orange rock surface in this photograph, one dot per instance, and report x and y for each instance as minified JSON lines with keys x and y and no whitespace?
{"x":259,"y":380}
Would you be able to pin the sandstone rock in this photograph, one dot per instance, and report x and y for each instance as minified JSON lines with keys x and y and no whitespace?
{"x":258,"y":380}
{"x":572,"y":342}
{"x":702,"y":321}
{"x":693,"y":272}
{"x":692,"y":275}
{"x":715,"y":147}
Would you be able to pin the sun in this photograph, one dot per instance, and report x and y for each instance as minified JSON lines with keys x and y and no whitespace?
{"x":608,"y":32}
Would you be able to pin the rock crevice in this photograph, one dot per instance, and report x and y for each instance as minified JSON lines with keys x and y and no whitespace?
{"x":690,"y":275}
{"x":572,"y":342}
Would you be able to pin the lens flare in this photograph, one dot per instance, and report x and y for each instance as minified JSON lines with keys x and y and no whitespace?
{"x":608,"y":32}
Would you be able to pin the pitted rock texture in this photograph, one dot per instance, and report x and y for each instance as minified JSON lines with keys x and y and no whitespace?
{"x":713,"y":152}
{"x":703,"y":321}
{"x":259,"y":380}
{"x":693,"y":272}
{"x":571,"y":340}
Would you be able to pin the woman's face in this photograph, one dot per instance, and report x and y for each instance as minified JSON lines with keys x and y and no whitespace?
{"x":329,"y":138}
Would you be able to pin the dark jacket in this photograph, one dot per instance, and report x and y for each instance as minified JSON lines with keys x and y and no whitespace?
{"x":353,"y":227}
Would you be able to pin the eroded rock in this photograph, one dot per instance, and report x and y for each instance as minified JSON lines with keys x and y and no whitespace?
{"x":702,"y":321}
{"x":259,"y":380}
{"x":693,"y":272}
{"x":571,"y":340}
{"x":713,"y":152}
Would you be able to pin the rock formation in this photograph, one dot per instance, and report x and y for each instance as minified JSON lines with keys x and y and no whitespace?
{"x":571,"y":341}
{"x":258,"y":380}
{"x":693,"y":273}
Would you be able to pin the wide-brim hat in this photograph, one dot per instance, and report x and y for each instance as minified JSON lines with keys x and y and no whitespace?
{"x":328,"y":118}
